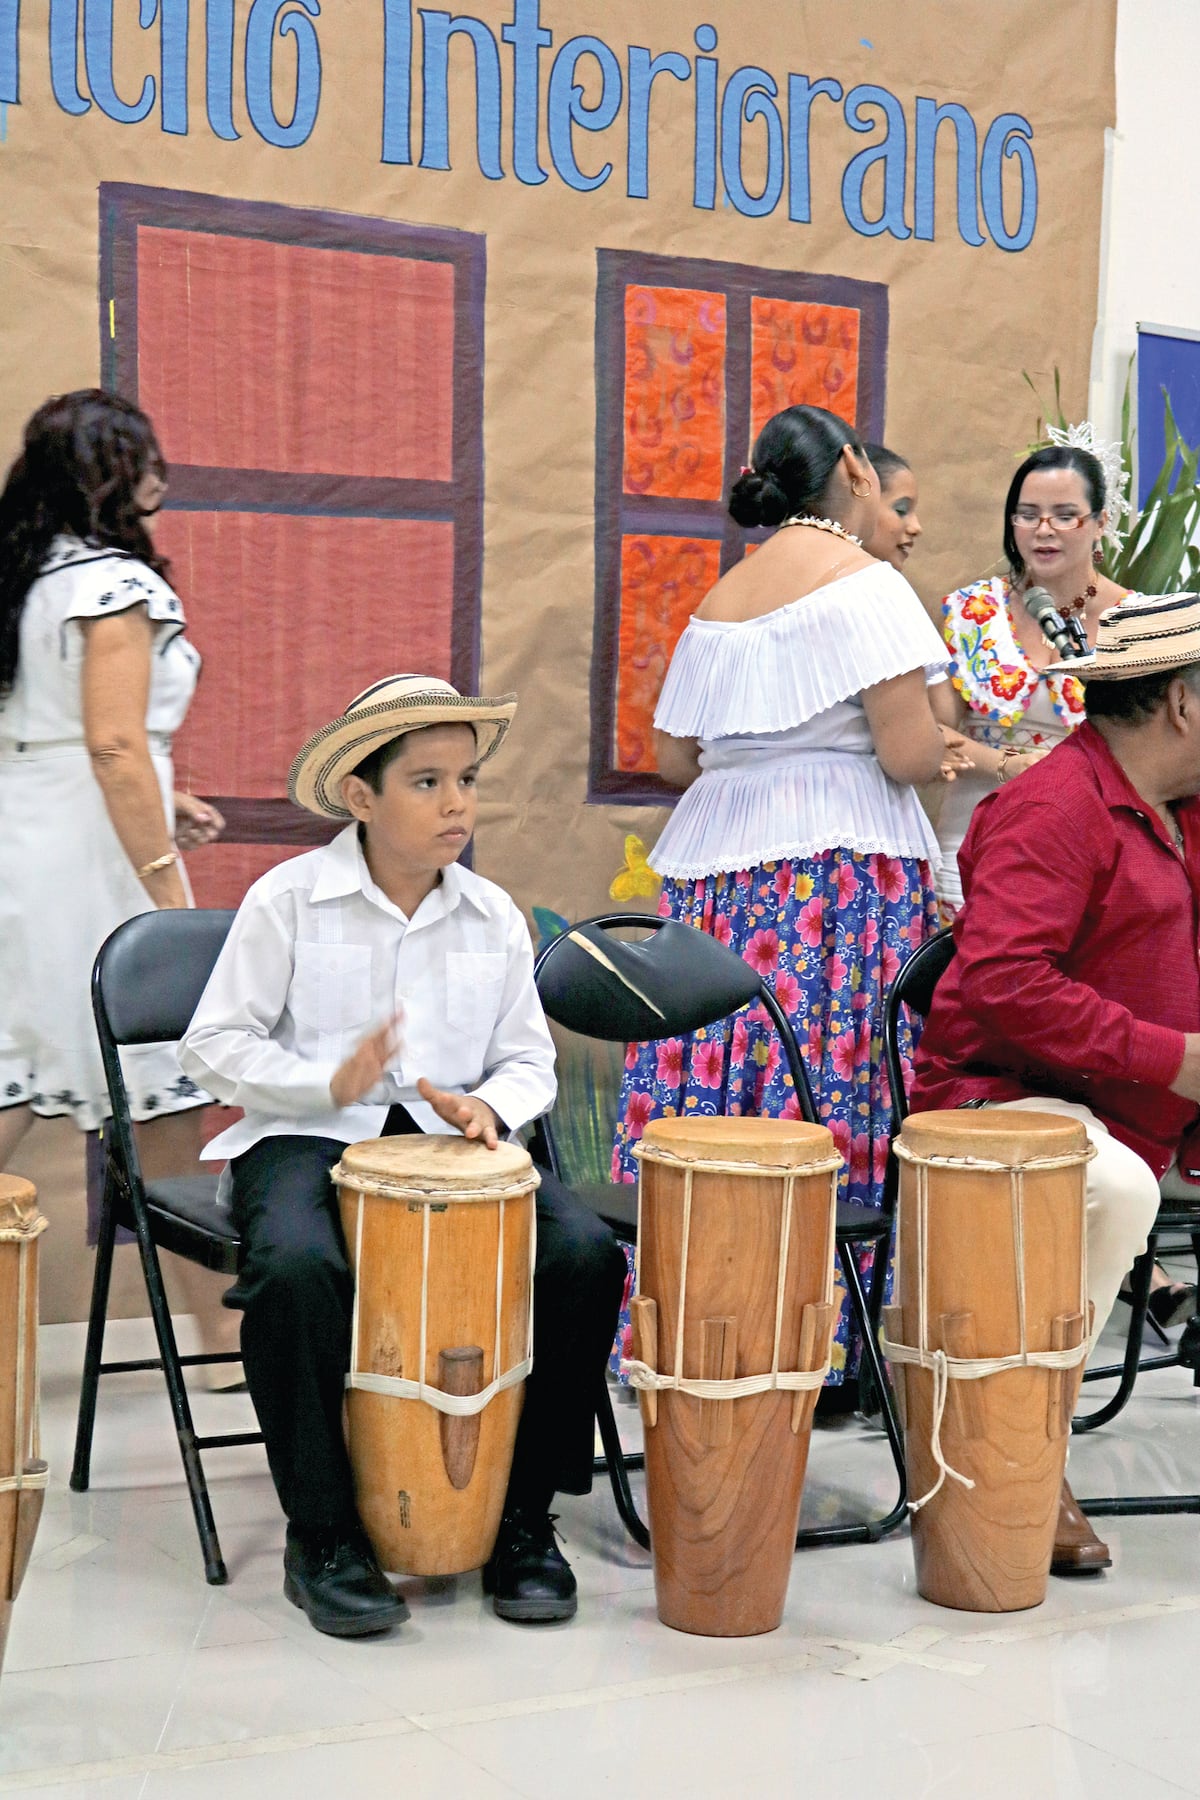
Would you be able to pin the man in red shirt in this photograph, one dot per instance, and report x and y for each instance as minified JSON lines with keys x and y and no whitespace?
{"x":1076,"y":983}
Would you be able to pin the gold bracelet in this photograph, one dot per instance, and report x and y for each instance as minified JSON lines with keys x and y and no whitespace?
{"x":160,"y":862}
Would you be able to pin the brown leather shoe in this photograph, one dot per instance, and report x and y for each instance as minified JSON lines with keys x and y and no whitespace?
{"x":1077,"y":1549}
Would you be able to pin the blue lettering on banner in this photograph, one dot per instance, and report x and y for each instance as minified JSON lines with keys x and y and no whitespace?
{"x":565,"y":107}
{"x":529,"y":38}
{"x":64,"y":56}
{"x":173,"y":61}
{"x":1009,"y":135}
{"x":219,"y":69}
{"x":644,"y":70}
{"x":801,"y":94}
{"x":755,"y":119}
{"x":930,"y":118}
{"x":890,"y":151}
{"x":10,"y":52}
{"x":397,"y":81}
{"x":439,"y":28}
{"x":98,"y":61}
{"x":269,"y":18}
{"x":750,"y":94}
{"x":704,"y":183}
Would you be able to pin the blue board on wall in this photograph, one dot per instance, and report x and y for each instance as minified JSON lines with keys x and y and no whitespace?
{"x":1166,"y":358}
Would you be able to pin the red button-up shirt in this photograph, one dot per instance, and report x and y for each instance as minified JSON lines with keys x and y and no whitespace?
{"x":1078,"y":952}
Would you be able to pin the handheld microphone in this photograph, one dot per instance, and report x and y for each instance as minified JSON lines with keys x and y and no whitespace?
{"x":1067,"y":635}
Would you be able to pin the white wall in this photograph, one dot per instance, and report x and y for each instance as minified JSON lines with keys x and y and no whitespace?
{"x":1150,"y":247}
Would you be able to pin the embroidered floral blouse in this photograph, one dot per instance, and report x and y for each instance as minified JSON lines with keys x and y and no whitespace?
{"x":991,"y":671}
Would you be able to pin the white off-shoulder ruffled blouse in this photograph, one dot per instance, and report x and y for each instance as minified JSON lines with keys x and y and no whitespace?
{"x":788,"y":766}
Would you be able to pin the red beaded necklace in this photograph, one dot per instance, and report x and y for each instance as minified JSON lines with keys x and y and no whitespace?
{"x":1071,"y":609}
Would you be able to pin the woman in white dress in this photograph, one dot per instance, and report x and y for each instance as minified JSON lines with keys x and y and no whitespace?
{"x":95,"y":677}
{"x":794,"y":716}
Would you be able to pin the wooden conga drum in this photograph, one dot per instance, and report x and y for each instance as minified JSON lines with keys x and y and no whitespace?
{"x":22,"y":1471}
{"x":987,"y":1340}
{"x":440,"y":1233}
{"x":733,"y":1322}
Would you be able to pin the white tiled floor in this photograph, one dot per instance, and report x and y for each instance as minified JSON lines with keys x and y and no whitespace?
{"x":126,"y":1676}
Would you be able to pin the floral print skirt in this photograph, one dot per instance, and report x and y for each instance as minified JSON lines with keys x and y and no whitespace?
{"x":830,"y":933}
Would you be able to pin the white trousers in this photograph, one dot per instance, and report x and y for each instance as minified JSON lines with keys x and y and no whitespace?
{"x":1122,"y":1201}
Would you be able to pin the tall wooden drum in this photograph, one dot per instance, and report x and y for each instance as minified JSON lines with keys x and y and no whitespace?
{"x":22,"y":1471}
{"x":987,"y":1340}
{"x":733,"y":1322}
{"x":440,"y":1233}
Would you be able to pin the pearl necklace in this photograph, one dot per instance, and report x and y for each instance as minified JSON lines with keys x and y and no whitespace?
{"x":822,"y":525}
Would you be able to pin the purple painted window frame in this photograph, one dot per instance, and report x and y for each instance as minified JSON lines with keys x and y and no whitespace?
{"x":124,"y":207}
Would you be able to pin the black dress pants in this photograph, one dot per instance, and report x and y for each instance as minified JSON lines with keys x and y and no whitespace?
{"x":296,"y":1291}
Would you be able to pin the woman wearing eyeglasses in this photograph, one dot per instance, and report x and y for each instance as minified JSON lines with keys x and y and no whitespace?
{"x":999,"y":695}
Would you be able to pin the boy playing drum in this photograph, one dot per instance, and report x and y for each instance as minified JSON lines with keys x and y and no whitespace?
{"x":368,"y":989}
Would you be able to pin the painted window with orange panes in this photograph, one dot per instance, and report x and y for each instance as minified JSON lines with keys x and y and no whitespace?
{"x":692,"y":358}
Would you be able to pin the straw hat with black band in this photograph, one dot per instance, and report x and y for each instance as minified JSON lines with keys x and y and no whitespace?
{"x":389,"y":709}
{"x":1146,"y":636}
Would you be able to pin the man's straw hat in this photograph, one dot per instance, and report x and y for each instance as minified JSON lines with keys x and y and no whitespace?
{"x":1143,"y":636}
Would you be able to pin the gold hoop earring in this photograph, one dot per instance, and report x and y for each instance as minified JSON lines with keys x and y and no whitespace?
{"x":860,"y":493}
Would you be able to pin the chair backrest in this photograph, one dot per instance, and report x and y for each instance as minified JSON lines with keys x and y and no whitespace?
{"x":666,"y":984}
{"x":630,"y":990}
{"x":150,"y":974}
{"x":914,"y":988}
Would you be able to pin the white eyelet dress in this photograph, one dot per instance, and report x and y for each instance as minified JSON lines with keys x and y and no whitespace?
{"x":65,"y":881}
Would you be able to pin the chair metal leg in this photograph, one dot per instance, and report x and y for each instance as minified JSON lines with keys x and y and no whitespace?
{"x":94,"y":1350}
{"x":871,"y":1530}
{"x":1143,"y":1270}
{"x":618,"y":1466}
{"x":215,"y":1572}
{"x":1139,"y":1506}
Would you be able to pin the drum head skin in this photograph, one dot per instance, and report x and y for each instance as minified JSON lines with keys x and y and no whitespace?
{"x":994,"y":1134}
{"x":453,"y":1166}
{"x":786,"y":1143}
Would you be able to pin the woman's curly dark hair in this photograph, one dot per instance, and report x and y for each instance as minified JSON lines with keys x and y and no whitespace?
{"x":84,"y":455}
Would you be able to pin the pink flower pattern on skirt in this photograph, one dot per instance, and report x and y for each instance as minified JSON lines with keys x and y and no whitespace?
{"x":830,"y":934}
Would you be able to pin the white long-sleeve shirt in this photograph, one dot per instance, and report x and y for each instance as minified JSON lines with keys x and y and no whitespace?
{"x":318,"y":955}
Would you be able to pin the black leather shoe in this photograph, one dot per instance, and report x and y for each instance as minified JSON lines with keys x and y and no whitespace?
{"x":334,"y":1577}
{"x":527,"y":1576}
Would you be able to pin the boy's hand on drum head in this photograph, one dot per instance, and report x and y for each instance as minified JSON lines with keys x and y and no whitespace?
{"x":368,"y":1065}
{"x":472,"y":1116}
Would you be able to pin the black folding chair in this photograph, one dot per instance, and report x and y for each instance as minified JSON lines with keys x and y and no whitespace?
{"x":692,"y":981}
{"x":1179,"y":1211}
{"x":914,"y":988}
{"x":146,"y":983}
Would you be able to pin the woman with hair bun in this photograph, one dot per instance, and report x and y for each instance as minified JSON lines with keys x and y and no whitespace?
{"x":794,"y":720}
